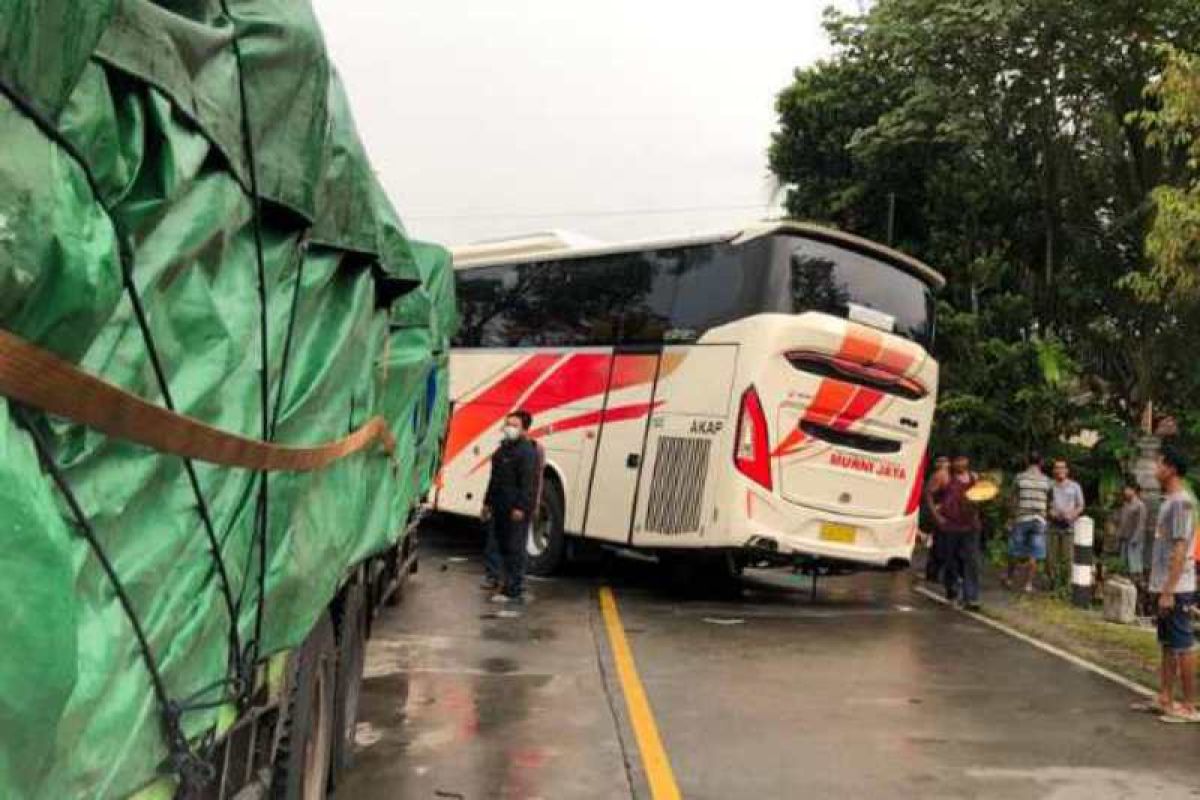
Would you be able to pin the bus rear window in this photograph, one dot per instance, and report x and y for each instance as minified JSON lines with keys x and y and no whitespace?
{"x":832,"y":279}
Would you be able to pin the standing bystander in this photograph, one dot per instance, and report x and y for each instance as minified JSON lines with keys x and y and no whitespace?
{"x":1027,"y":539}
{"x":1173,"y":579}
{"x":1131,"y":530}
{"x":1066,"y":505}
{"x":959,"y":523}
{"x":937,"y":544}
{"x":510,"y":501}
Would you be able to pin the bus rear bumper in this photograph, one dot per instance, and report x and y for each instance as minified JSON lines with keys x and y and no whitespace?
{"x":816,"y":538}
{"x":772,"y":549}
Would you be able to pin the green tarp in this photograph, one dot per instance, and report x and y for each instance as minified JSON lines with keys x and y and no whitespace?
{"x":123,"y":147}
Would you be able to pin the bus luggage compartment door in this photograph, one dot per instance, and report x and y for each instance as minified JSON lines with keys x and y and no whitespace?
{"x":620,"y":444}
{"x":688,"y":449}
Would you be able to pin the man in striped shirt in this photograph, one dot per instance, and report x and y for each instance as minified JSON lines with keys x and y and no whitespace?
{"x":1027,"y":539}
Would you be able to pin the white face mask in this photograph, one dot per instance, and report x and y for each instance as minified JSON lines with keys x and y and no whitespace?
{"x":511,"y":432}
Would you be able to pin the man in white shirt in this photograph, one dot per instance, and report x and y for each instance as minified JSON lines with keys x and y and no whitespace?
{"x":1066,"y":506}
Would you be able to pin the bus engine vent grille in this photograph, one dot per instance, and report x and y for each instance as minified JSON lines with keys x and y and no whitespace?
{"x":677,"y":488}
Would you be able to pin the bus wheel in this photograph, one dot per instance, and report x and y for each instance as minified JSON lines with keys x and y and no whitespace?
{"x":546,"y":544}
{"x":352,"y":647}
{"x":303,"y":757}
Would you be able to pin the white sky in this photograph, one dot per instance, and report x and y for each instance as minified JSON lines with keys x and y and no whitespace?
{"x":612,"y":118}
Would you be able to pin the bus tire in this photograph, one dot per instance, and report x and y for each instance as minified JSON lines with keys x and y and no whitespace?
{"x":547,"y":544}
{"x":303,"y":758}
{"x":352,"y":653}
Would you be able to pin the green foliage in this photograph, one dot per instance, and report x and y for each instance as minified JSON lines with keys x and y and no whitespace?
{"x":1027,"y":161}
{"x":1173,"y":126}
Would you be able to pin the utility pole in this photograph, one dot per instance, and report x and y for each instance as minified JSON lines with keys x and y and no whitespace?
{"x":891,"y":219}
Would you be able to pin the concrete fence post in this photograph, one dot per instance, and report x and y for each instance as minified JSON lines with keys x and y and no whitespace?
{"x":1083,"y":562}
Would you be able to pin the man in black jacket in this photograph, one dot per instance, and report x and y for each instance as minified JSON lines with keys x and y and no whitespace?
{"x":511,"y":500}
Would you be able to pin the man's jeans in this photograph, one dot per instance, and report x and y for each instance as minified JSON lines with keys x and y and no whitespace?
{"x":963,"y":555}
{"x":504,"y":554}
{"x":493,"y":563}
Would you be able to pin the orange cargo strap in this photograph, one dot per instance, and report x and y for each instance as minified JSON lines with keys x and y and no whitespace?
{"x":42,"y":380}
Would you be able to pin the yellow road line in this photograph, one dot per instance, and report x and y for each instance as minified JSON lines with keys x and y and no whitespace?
{"x":654,"y":756}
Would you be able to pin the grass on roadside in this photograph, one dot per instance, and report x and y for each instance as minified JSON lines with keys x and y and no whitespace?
{"x":1129,"y":650}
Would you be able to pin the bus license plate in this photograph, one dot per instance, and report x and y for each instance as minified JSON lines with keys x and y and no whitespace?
{"x":831,"y":532}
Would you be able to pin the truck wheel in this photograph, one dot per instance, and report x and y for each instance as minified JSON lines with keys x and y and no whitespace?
{"x":546,"y":544}
{"x":303,"y":758}
{"x":352,"y":651}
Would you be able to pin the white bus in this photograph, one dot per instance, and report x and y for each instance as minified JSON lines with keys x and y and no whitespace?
{"x":764,"y":393}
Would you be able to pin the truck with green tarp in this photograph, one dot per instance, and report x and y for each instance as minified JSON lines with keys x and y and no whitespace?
{"x":222,"y":400}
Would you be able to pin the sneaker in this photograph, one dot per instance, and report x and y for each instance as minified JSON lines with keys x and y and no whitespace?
{"x":1028,"y":588}
{"x":490,"y":585}
{"x":973,"y":607}
{"x":501,"y":598}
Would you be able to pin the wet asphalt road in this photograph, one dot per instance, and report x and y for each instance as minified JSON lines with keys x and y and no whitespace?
{"x":871,"y":691}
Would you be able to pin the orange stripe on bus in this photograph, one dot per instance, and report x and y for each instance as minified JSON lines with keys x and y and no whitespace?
{"x":790,"y":444}
{"x":897,"y":361}
{"x":832,"y":398}
{"x":862,"y":345}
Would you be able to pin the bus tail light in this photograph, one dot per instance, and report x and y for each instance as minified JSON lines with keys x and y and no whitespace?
{"x":752,"y":456}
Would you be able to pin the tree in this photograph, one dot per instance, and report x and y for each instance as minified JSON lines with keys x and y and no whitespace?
{"x":1010,"y":133}
{"x":1173,"y":243}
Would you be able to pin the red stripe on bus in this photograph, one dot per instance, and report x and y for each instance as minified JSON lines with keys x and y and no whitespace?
{"x":914,"y":495}
{"x":476,"y":416}
{"x":580,"y":376}
{"x":618,"y":414}
{"x":831,"y":400}
{"x":587,"y":375}
{"x":863,"y":403}
{"x":591,"y":419}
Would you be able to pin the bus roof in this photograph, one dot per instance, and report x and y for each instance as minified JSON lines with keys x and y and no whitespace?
{"x":558,"y":245}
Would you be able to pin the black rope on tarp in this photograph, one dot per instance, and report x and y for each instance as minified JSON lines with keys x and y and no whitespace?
{"x":189,"y":467}
{"x":192,"y":768}
{"x":289,"y":335}
{"x":262,"y":510}
{"x":279,"y":394}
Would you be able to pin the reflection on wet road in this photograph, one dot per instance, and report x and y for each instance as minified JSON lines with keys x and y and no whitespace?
{"x":463,"y":701}
{"x":870,"y":691}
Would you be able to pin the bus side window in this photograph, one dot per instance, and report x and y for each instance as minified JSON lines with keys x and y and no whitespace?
{"x":717,"y":284}
{"x":646,"y":282}
{"x":483,"y":306}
